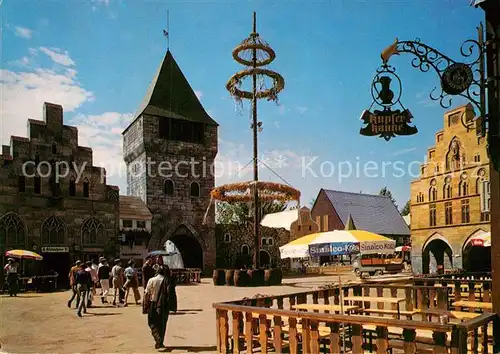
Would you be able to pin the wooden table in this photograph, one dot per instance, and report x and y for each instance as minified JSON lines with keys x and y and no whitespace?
{"x":474,"y":305}
{"x":392,"y":300}
{"x":330,"y":308}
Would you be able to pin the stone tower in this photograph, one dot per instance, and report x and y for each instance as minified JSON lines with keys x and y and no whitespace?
{"x":169,"y":149}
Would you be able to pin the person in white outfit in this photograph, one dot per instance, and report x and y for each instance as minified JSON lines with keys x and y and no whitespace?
{"x":103,"y":274}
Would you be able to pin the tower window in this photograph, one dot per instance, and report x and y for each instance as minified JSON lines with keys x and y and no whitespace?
{"x":227,"y":238}
{"x":432,"y":214}
{"x":21,"y":184}
{"x":37,"y":185}
{"x":195,"y":189}
{"x":168,"y":187}
{"x":86,"y":188}
{"x":465,"y":211}
{"x":448,"y":213}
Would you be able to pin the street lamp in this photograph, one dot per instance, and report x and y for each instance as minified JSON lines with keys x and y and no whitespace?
{"x":480,"y":84}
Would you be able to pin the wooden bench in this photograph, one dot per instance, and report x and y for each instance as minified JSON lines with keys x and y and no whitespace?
{"x":391,"y":312}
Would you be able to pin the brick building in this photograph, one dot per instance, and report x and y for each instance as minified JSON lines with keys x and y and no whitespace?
{"x":71,"y":217}
{"x":169,"y":149}
{"x":446,"y":199}
{"x":333,"y":210}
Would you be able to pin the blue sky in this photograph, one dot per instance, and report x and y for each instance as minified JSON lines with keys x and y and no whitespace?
{"x":96,"y":58}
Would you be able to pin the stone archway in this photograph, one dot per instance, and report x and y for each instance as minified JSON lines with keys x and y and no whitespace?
{"x":264,"y":258}
{"x":476,"y":258}
{"x":188,"y":245}
{"x":436,"y":253}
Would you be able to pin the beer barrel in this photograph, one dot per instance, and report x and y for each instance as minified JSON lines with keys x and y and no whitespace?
{"x":268,"y":277}
{"x":229,"y":277}
{"x":218,"y":277}
{"x":240,"y":278}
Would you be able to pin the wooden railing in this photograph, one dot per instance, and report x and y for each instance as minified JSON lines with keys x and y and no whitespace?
{"x":187,"y":275}
{"x":266,"y":322}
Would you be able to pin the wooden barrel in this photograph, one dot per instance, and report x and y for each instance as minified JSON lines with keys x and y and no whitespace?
{"x":240,"y":278}
{"x":219,"y":277}
{"x":250,"y":277}
{"x":268,"y":277}
{"x":277,"y":276}
{"x":256,"y":277}
{"x":229,"y":277}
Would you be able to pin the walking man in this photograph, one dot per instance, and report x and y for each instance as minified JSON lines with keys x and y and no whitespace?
{"x":103,"y":274}
{"x":83,"y":284}
{"x":159,"y":300}
{"x":93,"y":282}
{"x":132,"y":282}
{"x":118,"y":281}
{"x":147,"y":272}
{"x":72,"y":283}
{"x":12,"y":277}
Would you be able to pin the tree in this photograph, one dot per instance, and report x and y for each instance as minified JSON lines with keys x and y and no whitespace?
{"x":387,"y":193}
{"x":311,"y":203}
{"x":406,"y":209}
{"x":240,"y":213}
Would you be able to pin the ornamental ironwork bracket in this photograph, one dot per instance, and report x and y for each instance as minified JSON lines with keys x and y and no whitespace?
{"x":465,"y":79}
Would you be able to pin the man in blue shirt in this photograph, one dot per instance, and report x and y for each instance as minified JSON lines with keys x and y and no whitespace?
{"x":83,"y":284}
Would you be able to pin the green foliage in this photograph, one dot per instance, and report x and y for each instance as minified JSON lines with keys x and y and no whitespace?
{"x":406,"y":209}
{"x":240,"y":213}
{"x":386,"y":192}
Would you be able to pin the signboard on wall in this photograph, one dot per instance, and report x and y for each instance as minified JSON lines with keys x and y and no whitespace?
{"x":55,"y":249}
{"x":372,"y":247}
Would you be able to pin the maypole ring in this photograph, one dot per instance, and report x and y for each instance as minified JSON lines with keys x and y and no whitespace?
{"x":236,"y":80}
{"x":254,"y":46}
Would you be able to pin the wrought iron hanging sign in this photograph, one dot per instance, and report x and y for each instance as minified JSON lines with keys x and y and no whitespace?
{"x":386,"y":121}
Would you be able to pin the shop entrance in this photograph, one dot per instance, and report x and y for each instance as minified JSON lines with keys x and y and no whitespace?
{"x":59,"y":263}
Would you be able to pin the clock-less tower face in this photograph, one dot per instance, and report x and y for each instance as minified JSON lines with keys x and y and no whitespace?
{"x":169,"y":150}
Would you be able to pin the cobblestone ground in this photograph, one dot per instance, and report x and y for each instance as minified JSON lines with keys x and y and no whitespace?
{"x":43,"y":323}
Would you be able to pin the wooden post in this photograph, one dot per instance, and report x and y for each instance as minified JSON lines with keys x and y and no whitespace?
{"x":357,"y":338}
{"x":306,"y":336}
{"x":292,"y":332}
{"x":409,"y":346}
{"x":236,"y":331}
{"x":439,"y":342}
{"x":382,"y":340}
{"x":334,"y":338}
{"x":249,"y":332}
{"x":223,"y":331}
{"x":277,"y":334}
{"x":314,"y":337}
{"x":263,"y":333}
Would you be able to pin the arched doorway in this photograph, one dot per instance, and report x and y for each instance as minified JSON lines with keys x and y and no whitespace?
{"x":476,"y":255}
{"x":437,"y":254}
{"x":188,"y":246}
{"x":264,"y":258}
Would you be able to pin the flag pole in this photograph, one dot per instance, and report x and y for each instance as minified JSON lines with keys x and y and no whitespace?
{"x":342,"y":311}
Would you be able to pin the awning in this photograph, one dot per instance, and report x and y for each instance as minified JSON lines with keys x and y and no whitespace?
{"x":482,"y":240}
{"x":338,"y":242}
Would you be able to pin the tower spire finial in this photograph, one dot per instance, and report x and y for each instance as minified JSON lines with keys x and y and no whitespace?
{"x":166,"y":32}
{"x":254,"y":22}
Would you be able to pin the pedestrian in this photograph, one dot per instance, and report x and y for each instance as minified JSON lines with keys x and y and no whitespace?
{"x":118,"y":280}
{"x":147,"y":271}
{"x":103,"y":273}
{"x":160,"y":300}
{"x":93,"y":282}
{"x":72,"y":283}
{"x":83,"y":285}
{"x":131,"y":282}
{"x":12,"y":276}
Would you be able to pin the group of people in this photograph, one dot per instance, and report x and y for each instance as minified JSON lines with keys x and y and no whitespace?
{"x":159,"y":289}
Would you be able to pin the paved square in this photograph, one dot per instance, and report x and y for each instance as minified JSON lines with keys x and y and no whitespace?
{"x":43,"y":323}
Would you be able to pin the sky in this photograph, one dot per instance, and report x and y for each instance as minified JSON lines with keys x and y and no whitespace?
{"x":97,"y":57}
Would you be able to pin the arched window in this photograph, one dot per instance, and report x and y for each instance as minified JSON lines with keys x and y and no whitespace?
{"x":447,"y":191}
{"x":86,"y":188}
{"x":12,"y":230}
{"x":270,"y":241}
{"x":92,"y":231}
{"x":245,"y":250}
{"x":227,"y":237}
{"x":432,"y":194}
{"x":54,"y":147}
{"x":72,"y":187}
{"x":53,"y":231}
{"x":37,"y":185}
{"x":463,"y":187}
{"x":195,"y":189}
{"x":168,"y":188}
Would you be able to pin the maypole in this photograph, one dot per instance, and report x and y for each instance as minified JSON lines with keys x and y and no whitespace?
{"x":254,"y":53}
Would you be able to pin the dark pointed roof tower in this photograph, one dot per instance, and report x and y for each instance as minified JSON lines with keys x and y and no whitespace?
{"x":170,"y":95}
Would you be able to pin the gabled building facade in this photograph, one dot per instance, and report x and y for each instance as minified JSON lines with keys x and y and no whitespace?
{"x":449,"y":201}
{"x":169,"y":149}
{"x":333,"y":210}
{"x":53,"y":200}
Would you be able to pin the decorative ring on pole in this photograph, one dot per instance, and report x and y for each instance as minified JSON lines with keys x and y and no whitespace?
{"x":272,"y":94}
{"x":259,"y":46}
{"x":242,"y":192}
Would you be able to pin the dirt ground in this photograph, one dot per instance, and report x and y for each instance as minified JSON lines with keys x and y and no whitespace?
{"x":43,"y":323}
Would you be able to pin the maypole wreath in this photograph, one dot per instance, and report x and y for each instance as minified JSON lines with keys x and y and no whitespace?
{"x":242,"y":192}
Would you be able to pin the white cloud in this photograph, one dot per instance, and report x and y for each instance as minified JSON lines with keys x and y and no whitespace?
{"x":403,"y":151}
{"x":58,"y":56}
{"x":23,"y":32}
{"x":198,"y":93}
{"x":101,"y":2}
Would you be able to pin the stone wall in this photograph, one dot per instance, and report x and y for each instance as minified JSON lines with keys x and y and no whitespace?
{"x":51,"y":144}
{"x":183,"y":163}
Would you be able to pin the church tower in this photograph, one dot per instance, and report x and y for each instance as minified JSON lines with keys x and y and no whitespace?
{"x":169,"y":149}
